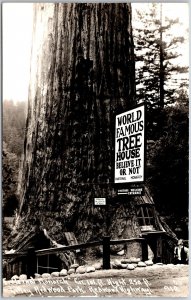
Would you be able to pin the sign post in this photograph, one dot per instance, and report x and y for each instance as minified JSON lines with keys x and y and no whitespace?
{"x":106,"y":252}
{"x":101,"y":202}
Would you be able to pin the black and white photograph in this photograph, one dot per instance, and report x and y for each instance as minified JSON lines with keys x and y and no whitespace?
{"x":95,"y":149}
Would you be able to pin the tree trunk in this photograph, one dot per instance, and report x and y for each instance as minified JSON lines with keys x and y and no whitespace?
{"x":82,"y":74}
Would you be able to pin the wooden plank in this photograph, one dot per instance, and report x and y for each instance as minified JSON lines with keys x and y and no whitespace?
{"x":70,"y":237}
{"x":72,"y":247}
{"x":84,"y":245}
{"x":66,"y":248}
{"x":16,"y":254}
{"x":115,"y":242}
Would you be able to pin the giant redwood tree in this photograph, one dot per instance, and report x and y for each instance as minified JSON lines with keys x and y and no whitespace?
{"x":82,"y":74}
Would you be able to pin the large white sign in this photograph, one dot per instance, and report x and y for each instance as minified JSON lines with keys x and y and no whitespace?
{"x":130,"y":146}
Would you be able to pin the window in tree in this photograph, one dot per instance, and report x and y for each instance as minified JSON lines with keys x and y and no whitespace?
{"x":145,"y":215}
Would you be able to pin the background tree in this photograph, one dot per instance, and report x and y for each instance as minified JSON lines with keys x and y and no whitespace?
{"x":14,"y":119}
{"x":157,"y":69}
{"x":9,"y":172}
{"x":162,"y":82}
{"x":167,"y":171}
{"x":9,"y":185}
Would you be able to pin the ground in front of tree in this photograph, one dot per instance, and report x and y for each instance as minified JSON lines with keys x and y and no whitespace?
{"x":156,"y":280}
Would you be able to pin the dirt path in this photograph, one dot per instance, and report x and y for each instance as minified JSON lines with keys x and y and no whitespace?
{"x":161,"y":281}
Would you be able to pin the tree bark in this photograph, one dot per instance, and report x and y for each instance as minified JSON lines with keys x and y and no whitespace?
{"x":82,"y":74}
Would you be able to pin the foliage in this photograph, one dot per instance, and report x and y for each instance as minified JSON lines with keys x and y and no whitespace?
{"x":14,"y":117}
{"x":158,"y":71}
{"x":162,"y":83}
{"x":168,"y":162}
{"x":10,"y":173}
{"x":13,"y":135}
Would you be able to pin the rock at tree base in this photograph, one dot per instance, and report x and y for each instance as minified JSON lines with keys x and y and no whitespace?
{"x":71,"y":271}
{"x":130,"y":267}
{"x":15,"y":277}
{"x":90,"y":269}
{"x":55,"y":274}
{"x":141,"y":264}
{"x":46,"y":275}
{"x":149,"y":262}
{"x":63,"y":272}
{"x":23,"y":277}
{"x":98,"y":266}
{"x":81,"y":270}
